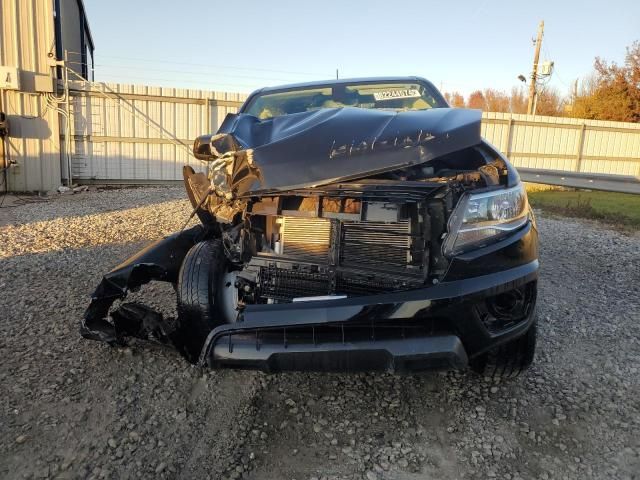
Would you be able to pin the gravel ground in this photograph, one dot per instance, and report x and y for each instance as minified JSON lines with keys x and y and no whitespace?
{"x":71,"y":408}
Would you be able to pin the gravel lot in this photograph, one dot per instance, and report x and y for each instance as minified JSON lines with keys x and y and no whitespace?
{"x":71,"y":408}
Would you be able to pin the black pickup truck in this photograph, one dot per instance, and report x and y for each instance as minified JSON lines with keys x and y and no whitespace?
{"x":345,"y":225}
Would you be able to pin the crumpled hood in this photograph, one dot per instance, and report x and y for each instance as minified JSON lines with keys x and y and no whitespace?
{"x":338,"y":144}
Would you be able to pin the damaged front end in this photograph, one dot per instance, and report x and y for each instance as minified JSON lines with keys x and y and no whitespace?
{"x":338,"y":214}
{"x":159,"y":261}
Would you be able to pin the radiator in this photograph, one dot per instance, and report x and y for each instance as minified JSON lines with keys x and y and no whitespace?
{"x":306,"y":238}
{"x":362,"y":244}
{"x":372,"y":244}
{"x":365,"y":258}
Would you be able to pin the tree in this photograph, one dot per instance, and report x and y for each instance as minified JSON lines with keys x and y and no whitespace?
{"x":457,"y":100}
{"x":496,"y":101}
{"x":613,"y":91}
{"x":476,"y":100}
{"x":550,"y":103}
{"x":519,"y":102}
{"x":454,"y":99}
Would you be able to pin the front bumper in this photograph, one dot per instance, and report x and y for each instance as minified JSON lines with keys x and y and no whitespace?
{"x":440,"y":326}
{"x":394,"y":355}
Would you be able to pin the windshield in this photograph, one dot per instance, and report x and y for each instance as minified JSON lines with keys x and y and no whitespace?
{"x":396,"y":96}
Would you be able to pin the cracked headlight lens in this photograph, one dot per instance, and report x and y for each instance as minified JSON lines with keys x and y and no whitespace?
{"x":482,"y":218}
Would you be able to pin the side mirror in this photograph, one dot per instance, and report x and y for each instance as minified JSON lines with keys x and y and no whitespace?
{"x":202,"y":148}
{"x":210,"y":147}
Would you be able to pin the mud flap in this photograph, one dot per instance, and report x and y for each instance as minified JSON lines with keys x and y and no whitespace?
{"x":159,"y":261}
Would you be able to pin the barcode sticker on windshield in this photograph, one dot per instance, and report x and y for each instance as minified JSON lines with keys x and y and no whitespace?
{"x":393,"y":94}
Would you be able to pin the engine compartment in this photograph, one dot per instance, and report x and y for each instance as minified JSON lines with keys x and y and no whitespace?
{"x":377,"y":235}
{"x":337,"y":246}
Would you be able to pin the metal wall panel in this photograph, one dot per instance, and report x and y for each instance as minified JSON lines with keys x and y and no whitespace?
{"x":26,"y":40}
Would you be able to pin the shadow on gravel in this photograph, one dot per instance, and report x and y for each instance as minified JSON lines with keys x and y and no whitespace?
{"x":70,"y":233}
{"x":57,"y":207}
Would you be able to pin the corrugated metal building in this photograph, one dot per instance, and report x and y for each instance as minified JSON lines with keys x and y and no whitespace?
{"x":33,"y":35}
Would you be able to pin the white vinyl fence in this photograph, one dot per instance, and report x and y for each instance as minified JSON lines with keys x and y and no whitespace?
{"x":140,"y":134}
{"x":571,"y":152}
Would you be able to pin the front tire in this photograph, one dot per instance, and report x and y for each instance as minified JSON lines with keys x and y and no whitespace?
{"x":198,"y":308}
{"x":510,"y":359}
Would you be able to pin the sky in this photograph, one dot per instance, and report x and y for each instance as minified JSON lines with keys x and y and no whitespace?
{"x":242,"y":45}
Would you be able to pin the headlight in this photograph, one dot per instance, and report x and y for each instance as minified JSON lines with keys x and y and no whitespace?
{"x":481,"y":218}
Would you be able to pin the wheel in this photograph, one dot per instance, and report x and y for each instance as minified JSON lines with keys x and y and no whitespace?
{"x":198,"y":307}
{"x":510,"y":359}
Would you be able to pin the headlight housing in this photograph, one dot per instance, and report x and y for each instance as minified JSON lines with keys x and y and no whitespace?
{"x":482,"y":218}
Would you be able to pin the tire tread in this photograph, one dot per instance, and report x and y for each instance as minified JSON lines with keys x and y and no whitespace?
{"x":196,"y":303}
{"x":510,"y":359}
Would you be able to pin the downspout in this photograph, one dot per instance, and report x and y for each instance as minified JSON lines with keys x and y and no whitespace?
{"x":67,"y":133}
{"x":4,"y":154}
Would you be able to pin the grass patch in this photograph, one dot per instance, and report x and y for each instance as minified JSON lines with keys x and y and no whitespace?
{"x":610,"y":207}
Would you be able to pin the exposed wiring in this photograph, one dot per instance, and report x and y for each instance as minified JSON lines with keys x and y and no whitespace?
{"x":195,"y":210}
{"x":55,"y":98}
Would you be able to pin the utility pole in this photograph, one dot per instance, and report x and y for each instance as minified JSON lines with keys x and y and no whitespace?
{"x":533,"y":89}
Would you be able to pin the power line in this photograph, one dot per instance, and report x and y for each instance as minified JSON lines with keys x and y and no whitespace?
{"x":116,"y":77}
{"x":257,"y":80}
{"x":230,"y":67}
{"x":548,"y":53}
{"x":186,"y":72}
